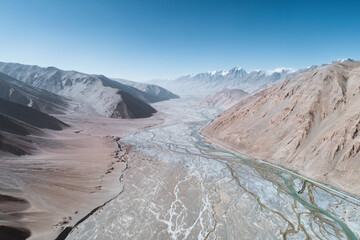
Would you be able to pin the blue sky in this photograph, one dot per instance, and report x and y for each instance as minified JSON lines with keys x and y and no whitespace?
{"x":142,"y":40}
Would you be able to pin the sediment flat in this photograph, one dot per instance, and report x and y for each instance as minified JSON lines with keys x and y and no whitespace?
{"x":70,"y":173}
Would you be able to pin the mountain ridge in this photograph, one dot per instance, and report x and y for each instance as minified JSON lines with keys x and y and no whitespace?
{"x":162,"y":93}
{"x":98,"y":91}
{"x":24,"y":94}
{"x":210,"y":82}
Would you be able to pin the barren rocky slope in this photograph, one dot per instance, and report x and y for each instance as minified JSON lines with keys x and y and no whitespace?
{"x":224,"y":99}
{"x":20,"y":124}
{"x":104,"y":96}
{"x":309,"y":123}
{"x":39,"y":99}
{"x":30,"y":116}
{"x":13,"y":138}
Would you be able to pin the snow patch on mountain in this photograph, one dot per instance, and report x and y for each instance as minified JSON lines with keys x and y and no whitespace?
{"x":280,"y":70}
{"x":341,"y":60}
{"x":203,"y":84}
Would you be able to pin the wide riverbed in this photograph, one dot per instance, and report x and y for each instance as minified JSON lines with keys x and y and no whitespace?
{"x":179,"y":187}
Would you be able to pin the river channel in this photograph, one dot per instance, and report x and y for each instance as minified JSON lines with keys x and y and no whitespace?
{"x":178,"y":186}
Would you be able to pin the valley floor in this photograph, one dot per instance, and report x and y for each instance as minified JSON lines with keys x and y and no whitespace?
{"x":173,"y":185}
{"x":179,"y":187}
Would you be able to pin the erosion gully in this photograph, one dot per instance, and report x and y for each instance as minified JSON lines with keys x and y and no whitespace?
{"x":180,"y":187}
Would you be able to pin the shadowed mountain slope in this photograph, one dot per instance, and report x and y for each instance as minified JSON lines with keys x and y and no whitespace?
{"x":30,"y":116}
{"x":12,"y":136}
{"x":18,"y":125}
{"x":151,"y":89}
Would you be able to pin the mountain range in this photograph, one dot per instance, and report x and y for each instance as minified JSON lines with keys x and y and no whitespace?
{"x":105,"y":97}
{"x":203,"y":84}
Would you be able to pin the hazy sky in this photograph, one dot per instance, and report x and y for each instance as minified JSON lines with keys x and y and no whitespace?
{"x":142,"y":40}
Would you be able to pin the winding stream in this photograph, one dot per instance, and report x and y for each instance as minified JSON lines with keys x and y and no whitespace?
{"x":179,"y":187}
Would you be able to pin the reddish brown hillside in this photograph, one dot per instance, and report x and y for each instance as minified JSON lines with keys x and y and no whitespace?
{"x":309,"y":123}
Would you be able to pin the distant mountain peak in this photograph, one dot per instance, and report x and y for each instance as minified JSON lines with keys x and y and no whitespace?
{"x":224,"y":72}
{"x":212,"y":72}
{"x":341,"y":60}
{"x":238,"y":69}
{"x":280,"y":70}
{"x":205,"y":83}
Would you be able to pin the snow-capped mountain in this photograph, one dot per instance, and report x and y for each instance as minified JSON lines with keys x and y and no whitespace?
{"x":341,"y":60}
{"x":151,"y":89}
{"x":202,"y":84}
{"x":103,"y":95}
